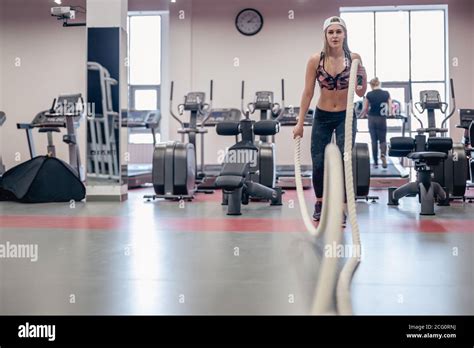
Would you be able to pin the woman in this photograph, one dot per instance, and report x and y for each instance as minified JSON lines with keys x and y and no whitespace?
{"x":379,"y":105}
{"x":331,"y":68}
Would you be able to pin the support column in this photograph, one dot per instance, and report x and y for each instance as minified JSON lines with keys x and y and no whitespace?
{"x":107,"y":100}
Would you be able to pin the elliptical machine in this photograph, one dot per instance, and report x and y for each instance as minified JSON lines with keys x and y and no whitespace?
{"x":269,"y":110}
{"x":249,"y":168}
{"x":174,"y":173}
{"x":451,"y":174}
{"x":440,"y":166}
{"x":466,"y":117}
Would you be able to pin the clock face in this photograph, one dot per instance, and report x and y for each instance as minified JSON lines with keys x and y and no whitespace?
{"x":249,"y":21}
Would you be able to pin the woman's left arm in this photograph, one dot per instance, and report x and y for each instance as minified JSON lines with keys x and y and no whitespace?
{"x":361,"y":89}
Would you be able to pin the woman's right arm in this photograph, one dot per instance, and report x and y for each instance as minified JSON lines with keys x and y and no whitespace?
{"x":308,"y":93}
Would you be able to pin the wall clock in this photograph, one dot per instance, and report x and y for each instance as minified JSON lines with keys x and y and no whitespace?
{"x":249,"y":21}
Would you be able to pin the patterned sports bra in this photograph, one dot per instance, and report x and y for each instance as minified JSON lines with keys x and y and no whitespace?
{"x":340,"y":81}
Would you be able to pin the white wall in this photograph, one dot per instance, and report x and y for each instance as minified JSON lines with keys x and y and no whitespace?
{"x":40,"y":60}
{"x":279,"y":51}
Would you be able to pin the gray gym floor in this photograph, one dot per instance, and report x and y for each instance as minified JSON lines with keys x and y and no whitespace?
{"x":161,"y":258}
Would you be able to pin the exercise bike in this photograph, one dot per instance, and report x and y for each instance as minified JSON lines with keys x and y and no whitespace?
{"x":65,"y":112}
{"x":44,"y":179}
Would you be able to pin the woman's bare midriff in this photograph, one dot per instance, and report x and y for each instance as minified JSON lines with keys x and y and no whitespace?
{"x":333,"y":101}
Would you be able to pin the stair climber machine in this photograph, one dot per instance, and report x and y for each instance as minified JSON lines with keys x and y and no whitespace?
{"x":174,"y":172}
{"x":441,"y":167}
{"x":249,"y":167}
{"x":3,"y":118}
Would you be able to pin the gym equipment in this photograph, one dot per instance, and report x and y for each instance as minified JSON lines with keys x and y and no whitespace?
{"x":433,"y":157}
{"x":266,"y":173}
{"x":451,"y":174}
{"x":361,"y":166}
{"x":466,"y":117}
{"x":102,"y":130}
{"x":65,"y":112}
{"x":139,"y":174}
{"x":245,"y":170}
{"x":175,"y":174}
{"x":215,"y":117}
{"x":264,"y":102}
{"x":361,"y":171}
{"x":393,"y":170}
{"x":2,"y":121}
{"x":43,"y":179}
{"x":286,"y":173}
{"x":328,"y":286}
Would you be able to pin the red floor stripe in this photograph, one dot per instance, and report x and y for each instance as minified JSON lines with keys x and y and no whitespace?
{"x":61,"y":222}
{"x":437,"y":226}
{"x":164,"y":224}
{"x":237,"y":224}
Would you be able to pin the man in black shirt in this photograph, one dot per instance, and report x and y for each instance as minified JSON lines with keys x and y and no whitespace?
{"x":378,"y":105}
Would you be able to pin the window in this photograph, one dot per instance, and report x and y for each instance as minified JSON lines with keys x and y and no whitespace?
{"x":427,"y":45}
{"x":145,"y":99}
{"x":392,"y":46}
{"x":402,"y":45}
{"x":360,"y":27}
{"x":144,"y":54}
{"x":145,"y":50}
{"x":144,"y":61}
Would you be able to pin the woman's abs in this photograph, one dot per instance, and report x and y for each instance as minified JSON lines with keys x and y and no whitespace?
{"x":335,"y":100}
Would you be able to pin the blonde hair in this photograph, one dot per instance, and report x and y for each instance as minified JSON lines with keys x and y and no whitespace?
{"x":375,"y":82}
{"x":345,"y":45}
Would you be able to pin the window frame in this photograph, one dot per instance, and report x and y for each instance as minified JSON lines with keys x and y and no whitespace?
{"x":410,"y":9}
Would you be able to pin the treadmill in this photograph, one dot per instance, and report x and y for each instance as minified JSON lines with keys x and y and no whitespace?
{"x":395,"y":174}
{"x":141,"y":174}
{"x":3,"y":118}
{"x":286,"y":173}
{"x":216,"y":116}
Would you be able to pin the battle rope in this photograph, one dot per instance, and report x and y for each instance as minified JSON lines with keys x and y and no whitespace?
{"x":331,"y":215}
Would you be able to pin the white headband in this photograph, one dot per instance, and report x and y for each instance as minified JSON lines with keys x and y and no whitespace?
{"x":334,"y":20}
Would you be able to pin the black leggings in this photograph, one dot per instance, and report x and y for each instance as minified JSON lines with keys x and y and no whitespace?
{"x":378,"y":133}
{"x":325,"y":123}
